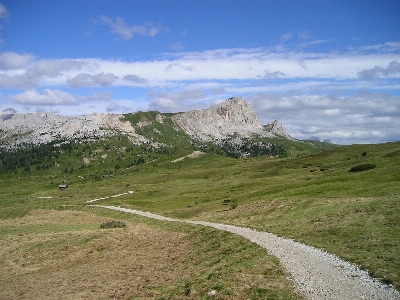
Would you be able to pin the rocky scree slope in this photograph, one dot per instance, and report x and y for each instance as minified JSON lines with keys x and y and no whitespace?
{"x":234,"y":116}
{"x":38,"y":128}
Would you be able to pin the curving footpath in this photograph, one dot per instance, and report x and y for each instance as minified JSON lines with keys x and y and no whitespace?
{"x":317,"y":274}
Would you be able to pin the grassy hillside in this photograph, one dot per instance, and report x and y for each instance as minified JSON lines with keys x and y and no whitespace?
{"x":310,"y":196}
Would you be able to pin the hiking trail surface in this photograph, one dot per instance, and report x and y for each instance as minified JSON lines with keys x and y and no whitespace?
{"x":317,"y":274}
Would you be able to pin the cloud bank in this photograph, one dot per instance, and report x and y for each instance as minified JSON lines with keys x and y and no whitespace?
{"x":377,"y":72}
{"x":348,"y":97}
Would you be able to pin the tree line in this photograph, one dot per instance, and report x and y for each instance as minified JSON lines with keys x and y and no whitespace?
{"x":26,"y":156}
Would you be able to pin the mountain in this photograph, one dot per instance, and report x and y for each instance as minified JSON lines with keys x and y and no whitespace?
{"x":316,"y":138}
{"x":233,"y":117}
{"x":40,"y":128}
{"x":7,"y":114}
{"x":277,"y":129}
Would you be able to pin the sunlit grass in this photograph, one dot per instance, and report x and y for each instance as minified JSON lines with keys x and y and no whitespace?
{"x":311,"y":198}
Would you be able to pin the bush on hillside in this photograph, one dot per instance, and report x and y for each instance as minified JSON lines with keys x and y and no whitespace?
{"x":363,"y":167}
{"x":113,"y":224}
{"x":234,"y":204}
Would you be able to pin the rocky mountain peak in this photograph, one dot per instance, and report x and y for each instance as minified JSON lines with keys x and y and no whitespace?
{"x":7,"y":114}
{"x":278,"y":129}
{"x":234,"y":115}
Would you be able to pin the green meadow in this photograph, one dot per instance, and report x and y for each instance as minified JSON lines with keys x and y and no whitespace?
{"x":310,"y":196}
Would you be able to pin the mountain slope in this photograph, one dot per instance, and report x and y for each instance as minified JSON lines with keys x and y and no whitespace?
{"x":232,"y":117}
{"x":40,"y":128}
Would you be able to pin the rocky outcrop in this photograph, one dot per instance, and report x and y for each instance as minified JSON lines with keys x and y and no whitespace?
{"x":36,"y":128}
{"x":220,"y":121}
{"x":277,"y":129}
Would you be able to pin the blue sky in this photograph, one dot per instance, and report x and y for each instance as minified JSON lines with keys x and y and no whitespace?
{"x":322,"y":68}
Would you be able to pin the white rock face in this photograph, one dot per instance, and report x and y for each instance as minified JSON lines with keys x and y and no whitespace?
{"x":45,"y":127}
{"x":277,"y":129}
{"x":231,"y":116}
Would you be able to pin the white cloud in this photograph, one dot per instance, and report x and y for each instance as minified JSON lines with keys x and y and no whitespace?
{"x":135,"y":79}
{"x":364,"y":117}
{"x":104,"y":79}
{"x":54,"y":97}
{"x":331,"y":111}
{"x":53,"y":68}
{"x":3,"y":12}
{"x":178,"y":101}
{"x":97,"y":96}
{"x":84,"y":79}
{"x":215,"y":65}
{"x":304,"y":35}
{"x":287,"y":36}
{"x":388,"y":47}
{"x":80,"y":80}
{"x":21,"y":72}
{"x":49,"y":97}
{"x":164,"y":105}
{"x":178,"y":46}
{"x":392,"y":70}
{"x":179,"y":96}
{"x":127,"y":32}
{"x":178,"y":66}
{"x":272,"y":75}
{"x":11,"y":60}
{"x":113,"y":106}
{"x":218,"y":90}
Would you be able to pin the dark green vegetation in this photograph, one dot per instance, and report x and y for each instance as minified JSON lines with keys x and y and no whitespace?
{"x":363,"y":167}
{"x":113,"y":224}
{"x":40,"y":156}
{"x":309,"y":196}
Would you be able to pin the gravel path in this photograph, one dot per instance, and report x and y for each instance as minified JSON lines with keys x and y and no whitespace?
{"x":317,"y":274}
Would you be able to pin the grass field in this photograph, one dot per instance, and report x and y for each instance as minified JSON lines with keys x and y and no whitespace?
{"x":58,"y":254}
{"x":312,"y":198}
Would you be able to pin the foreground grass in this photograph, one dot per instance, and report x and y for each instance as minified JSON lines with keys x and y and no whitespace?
{"x":310,"y":198}
{"x":63,"y":254}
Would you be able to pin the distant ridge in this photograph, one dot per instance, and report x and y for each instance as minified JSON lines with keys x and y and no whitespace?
{"x":7,"y":114}
{"x":233,"y":117}
{"x":316,"y":138}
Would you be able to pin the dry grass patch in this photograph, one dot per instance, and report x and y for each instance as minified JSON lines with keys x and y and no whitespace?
{"x":52,"y":254}
{"x":88,"y":263}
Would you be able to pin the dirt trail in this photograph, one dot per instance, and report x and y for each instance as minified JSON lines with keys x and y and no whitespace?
{"x":317,"y":274}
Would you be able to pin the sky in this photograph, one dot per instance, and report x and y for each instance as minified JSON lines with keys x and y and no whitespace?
{"x":325,"y":68}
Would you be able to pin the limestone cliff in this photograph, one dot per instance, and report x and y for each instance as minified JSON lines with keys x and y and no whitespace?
{"x":227,"y":118}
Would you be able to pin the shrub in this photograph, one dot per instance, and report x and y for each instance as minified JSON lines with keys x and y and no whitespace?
{"x":234,"y":204}
{"x":113,"y":224}
{"x":363,"y":167}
